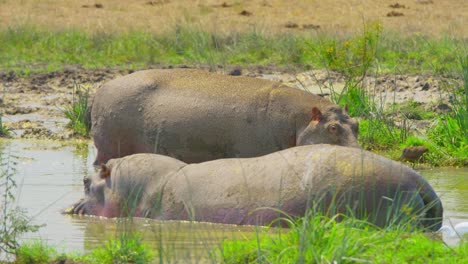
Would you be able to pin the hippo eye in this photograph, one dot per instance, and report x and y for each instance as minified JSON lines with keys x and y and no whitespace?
{"x":333,"y":128}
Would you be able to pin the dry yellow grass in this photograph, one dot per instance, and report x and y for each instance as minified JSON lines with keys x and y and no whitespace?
{"x":429,"y":17}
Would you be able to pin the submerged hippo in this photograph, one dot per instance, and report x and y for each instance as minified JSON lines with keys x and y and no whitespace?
{"x":329,"y":178}
{"x":197,"y":116}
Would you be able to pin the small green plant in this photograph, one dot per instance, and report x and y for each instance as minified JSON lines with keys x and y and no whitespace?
{"x":355,"y":98}
{"x":377,"y":130}
{"x":413,"y":141}
{"x":127,"y":248}
{"x":380,"y":134}
{"x":36,"y":252}
{"x":4,"y":131}
{"x":78,"y":112}
{"x":353,"y":56}
{"x":413,"y":110}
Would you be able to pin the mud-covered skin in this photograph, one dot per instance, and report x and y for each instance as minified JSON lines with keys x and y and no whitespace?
{"x":196,"y":116}
{"x":232,"y":190}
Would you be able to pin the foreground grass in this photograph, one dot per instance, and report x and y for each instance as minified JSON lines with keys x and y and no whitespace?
{"x":323,"y":240}
{"x":128,"y":248}
{"x":315,"y":239}
{"x":27,"y":49}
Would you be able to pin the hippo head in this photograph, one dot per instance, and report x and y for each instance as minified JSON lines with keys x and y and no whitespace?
{"x":94,"y":200}
{"x":332,"y":126}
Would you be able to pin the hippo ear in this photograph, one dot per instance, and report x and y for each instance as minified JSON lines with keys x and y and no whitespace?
{"x":105,"y":171}
{"x":346,"y":108}
{"x":315,"y":114}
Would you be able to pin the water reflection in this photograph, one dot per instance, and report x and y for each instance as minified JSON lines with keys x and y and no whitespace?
{"x":174,"y":239}
{"x":451,"y":184}
{"x":50,"y":178}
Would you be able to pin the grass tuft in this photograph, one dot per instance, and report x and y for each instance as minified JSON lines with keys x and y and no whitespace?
{"x":78,"y":112}
{"x":35,"y":252}
{"x":4,"y":131}
{"x":127,"y":248}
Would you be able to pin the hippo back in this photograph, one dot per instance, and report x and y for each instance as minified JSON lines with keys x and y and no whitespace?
{"x":197,"y":116}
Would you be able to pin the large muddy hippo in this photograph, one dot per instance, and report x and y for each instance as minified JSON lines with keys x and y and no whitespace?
{"x":329,"y":178}
{"x":197,"y":116}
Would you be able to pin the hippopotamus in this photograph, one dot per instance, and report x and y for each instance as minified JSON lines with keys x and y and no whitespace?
{"x":196,"y":116}
{"x":326,"y":178}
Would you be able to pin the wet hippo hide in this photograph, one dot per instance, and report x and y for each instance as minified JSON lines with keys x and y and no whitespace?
{"x":332,"y":179}
{"x":197,"y":116}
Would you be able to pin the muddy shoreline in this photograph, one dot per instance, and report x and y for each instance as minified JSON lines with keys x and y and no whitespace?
{"x":33,"y":106}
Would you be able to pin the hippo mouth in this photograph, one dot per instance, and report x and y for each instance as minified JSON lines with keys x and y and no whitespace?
{"x":78,"y":208}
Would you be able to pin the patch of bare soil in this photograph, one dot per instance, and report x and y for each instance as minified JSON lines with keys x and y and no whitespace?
{"x":33,"y":106}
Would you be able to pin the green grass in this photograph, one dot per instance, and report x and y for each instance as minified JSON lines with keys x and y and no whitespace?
{"x":37,"y":252}
{"x":27,"y":49}
{"x":318,"y":239}
{"x":388,"y":128}
{"x":127,"y":248}
{"x":379,"y":134}
{"x":78,"y":112}
{"x":413,"y":110}
{"x":447,"y":139}
{"x":4,"y":131}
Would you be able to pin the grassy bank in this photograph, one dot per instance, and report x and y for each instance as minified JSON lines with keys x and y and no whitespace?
{"x":317,"y":239}
{"x":27,"y":49}
{"x":388,"y":129}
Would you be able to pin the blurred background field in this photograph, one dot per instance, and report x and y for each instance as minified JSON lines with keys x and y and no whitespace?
{"x":427,"y":17}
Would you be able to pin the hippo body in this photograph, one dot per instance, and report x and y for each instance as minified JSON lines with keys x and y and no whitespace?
{"x":330,"y":178}
{"x":197,"y":116}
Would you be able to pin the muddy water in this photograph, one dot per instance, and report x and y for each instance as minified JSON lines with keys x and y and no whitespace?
{"x":49,"y":175}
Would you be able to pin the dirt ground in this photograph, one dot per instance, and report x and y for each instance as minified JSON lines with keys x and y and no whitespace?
{"x":33,"y":107}
{"x":428,"y":17}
